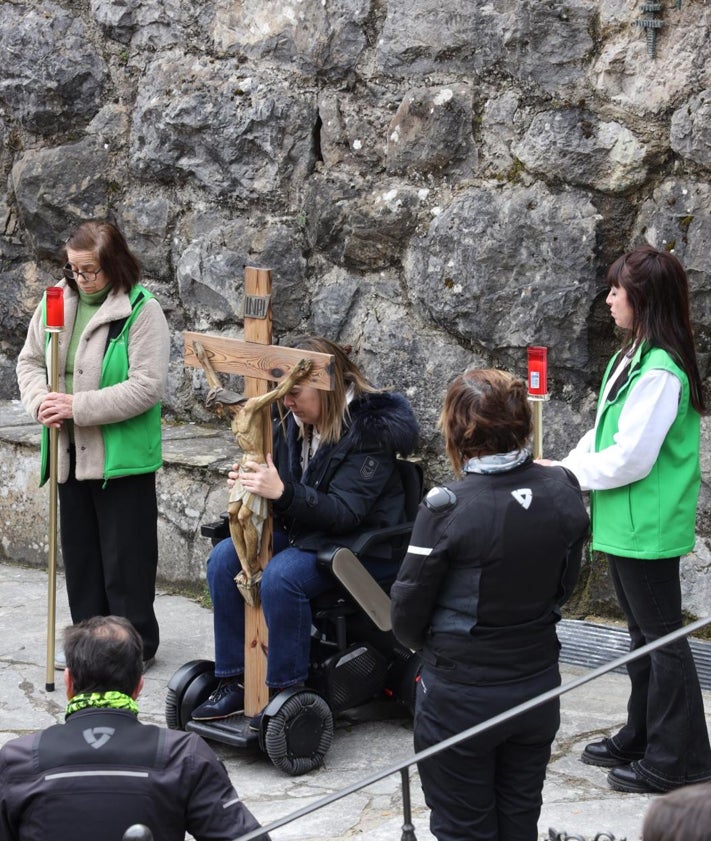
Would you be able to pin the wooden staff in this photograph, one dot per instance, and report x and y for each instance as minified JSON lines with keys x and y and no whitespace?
{"x":54,"y":323}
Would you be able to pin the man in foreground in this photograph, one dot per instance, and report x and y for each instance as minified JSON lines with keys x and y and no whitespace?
{"x":103,"y":770}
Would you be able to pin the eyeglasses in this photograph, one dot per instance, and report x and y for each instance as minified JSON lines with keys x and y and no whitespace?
{"x":89,"y":277}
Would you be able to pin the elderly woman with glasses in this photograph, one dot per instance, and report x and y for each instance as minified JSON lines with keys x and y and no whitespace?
{"x":113,"y":362}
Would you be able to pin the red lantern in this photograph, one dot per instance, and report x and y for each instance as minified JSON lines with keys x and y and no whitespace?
{"x":537,"y":371}
{"x":54,"y":319}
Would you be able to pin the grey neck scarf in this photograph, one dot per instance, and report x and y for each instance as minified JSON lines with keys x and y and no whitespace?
{"x":497,"y":463}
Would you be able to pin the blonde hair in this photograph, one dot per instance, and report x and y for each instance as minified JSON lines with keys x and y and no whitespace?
{"x":347,"y":376}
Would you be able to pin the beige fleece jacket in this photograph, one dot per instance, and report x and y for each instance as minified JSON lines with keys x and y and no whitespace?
{"x":148,"y":356}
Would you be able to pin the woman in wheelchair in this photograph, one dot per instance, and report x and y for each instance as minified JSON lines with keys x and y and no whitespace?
{"x":332,"y":477}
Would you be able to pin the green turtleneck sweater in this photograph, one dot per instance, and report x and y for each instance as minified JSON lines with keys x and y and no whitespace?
{"x":86,"y":309}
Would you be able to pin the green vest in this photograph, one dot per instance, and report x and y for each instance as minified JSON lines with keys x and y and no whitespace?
{"x":653,"y":517}
{"x":131,"y":446}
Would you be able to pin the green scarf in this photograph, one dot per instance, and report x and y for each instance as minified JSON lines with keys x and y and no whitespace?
{"x":102,"y":701}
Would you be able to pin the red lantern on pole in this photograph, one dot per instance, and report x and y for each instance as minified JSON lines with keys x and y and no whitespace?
{"x":537,"y":371}
{"x":537,"y":392}
{"x":54,"y":318}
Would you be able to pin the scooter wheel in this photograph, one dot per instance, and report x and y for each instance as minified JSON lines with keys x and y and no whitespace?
{"x":190,"y":685}
{"x":298,"y":735}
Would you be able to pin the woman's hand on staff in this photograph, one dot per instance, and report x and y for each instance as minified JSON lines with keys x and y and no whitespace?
{"x":546,"y":462}
{"x":262,"y":479}
{"x":55,"y":408}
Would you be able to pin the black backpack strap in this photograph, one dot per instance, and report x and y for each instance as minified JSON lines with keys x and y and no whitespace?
{"x":116,"y":327}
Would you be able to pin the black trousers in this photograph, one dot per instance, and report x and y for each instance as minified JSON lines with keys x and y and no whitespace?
{"x":488,"y":788}
{"x":665,"y":712}
{"x":109,"y":539}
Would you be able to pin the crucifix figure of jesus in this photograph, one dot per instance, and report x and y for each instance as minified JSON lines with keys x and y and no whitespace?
{"x":260,"y":363}
{"x":247,"y":511}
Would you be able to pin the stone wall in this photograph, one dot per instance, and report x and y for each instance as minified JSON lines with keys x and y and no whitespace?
{"x":437,"y":183}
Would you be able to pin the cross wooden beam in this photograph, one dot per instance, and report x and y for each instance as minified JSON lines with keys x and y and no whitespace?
{"x":260,"y":363}
{"x":255,"y":360}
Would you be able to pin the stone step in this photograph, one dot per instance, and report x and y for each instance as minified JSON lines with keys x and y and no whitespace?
{"x":191,"y":488}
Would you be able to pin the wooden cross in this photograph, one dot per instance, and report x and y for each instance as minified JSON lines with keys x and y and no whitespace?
{"x":260,"y":363}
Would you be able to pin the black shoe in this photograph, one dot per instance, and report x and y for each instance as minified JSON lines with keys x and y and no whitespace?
{"x":601,"y":753}
{"x":148,"y":663}
{"x":625,"y":778}
{"x":226,"y":700}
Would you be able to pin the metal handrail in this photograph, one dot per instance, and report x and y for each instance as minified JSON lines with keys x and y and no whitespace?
{"x":403,"y":766}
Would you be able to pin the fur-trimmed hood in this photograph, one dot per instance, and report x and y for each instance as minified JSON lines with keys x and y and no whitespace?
{"x":384,"y":417}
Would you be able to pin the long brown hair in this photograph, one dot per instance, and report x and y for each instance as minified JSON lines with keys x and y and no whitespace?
{"x":347,"y":376}
{"x":658,"y":292}
{"x":116,"y":259}
{"x":485,"y":411}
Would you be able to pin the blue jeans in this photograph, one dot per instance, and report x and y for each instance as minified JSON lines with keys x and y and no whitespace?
{"x":665,"y":711}
{"x":291,"y":578}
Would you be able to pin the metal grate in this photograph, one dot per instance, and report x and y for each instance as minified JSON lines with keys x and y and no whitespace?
{"x":591,"y":644}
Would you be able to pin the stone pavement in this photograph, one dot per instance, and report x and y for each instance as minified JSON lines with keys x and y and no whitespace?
{"x":576,"y":797}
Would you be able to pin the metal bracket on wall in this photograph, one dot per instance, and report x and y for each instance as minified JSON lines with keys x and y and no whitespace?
{"x":651,"y":23}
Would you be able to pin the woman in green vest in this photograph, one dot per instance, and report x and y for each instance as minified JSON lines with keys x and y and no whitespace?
{"x":113,"y":364}
{"x":641,"y":464}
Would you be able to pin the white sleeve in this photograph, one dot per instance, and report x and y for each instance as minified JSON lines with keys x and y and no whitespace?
{"x":585,"y":445}
{"x":648,"y":413}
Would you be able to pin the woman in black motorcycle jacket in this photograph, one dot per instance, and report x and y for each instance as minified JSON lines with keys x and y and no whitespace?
{"x":492,"y":558}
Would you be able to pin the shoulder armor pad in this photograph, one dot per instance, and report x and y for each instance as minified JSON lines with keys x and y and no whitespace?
{"x":440,"y":499}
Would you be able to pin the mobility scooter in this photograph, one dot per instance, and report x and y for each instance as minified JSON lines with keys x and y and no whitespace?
{"x":356,"y":662}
